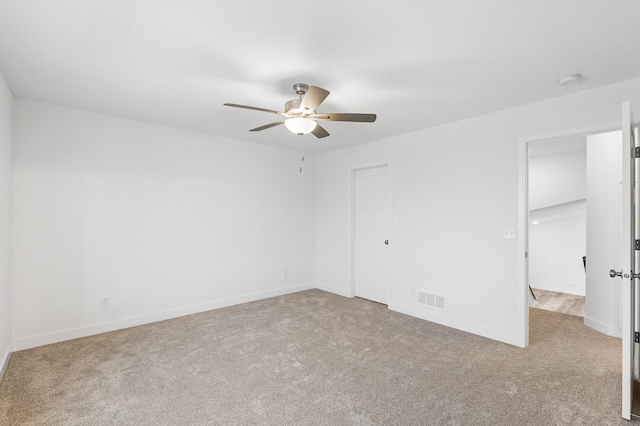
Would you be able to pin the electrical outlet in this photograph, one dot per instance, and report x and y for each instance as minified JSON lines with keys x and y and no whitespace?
{"x":104,"y":301}
{"x":285,"y":273}
{"x":412,"y":290}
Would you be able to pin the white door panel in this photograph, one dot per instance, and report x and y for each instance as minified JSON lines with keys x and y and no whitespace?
{"x":371,"y":221}
{"x":628,"y":260}
{"x":604,"y":232}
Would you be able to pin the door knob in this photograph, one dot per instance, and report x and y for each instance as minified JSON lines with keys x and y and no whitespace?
{"x":386,"y":242}
{"x":613,"y":273}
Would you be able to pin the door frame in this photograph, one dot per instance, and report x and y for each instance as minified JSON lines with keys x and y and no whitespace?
{"x":352,"y":224}
{"x":523,"y":213}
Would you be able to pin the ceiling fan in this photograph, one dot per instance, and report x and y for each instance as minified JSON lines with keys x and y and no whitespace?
{"x":300,"y":116}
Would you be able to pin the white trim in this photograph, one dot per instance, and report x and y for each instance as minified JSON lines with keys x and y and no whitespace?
{"x":607,"y":329}
{"x":391,"y":241}
{"x":5,"y":364}
{"x":352,"y":221}
{"x":511,"y":338}
{"x":575,"y":132}
{"x":89,"y":330}
{"x":340,"y":291}
{"x":522,"y":320}
{"x":523,"y":213}
{"x":352,"y":232}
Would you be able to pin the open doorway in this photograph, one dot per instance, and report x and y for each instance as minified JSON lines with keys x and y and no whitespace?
{"x":619,"y":236}
{"x":557,"y":224}
{"x":574,"y":208}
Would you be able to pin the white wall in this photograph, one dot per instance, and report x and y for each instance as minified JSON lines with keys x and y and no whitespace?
{"x":165,"y":222}
{"x":454,"y":189}
{"x":557,"y":179}
{"x":6,"y":138}
{"x":557,"y":243}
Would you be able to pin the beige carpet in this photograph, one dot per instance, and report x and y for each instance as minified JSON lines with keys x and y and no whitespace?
{"x":313,"y":358}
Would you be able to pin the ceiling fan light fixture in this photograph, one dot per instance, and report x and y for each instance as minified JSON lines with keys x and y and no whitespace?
{"x":300,"y":126}
{"x":299,"y":115}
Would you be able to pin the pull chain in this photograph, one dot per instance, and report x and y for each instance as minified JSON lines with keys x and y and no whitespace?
{"x":301,"y":155}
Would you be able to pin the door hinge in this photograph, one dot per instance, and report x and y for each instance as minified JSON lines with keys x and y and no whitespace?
{"x":636,"y":152}
{"x":636,"y":337}
{"x":637,"y":244}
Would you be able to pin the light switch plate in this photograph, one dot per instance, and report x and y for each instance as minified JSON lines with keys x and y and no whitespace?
{"x":509,"y":233}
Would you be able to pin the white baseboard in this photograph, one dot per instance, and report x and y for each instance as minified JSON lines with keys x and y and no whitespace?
{"x":89,"y":330}
{"x":603,"y":328}
{"x":5,"y":364}
{"x":335,"y":290}
{"x":511,"y":338}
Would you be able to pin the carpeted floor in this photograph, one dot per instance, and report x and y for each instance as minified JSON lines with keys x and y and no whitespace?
{"x":313,"y":358}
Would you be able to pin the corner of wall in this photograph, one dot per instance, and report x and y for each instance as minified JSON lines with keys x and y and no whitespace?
{"x":6,"y":156}
{"x":334,"y":289}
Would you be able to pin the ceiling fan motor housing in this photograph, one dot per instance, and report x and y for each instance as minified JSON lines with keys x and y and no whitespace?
{"x":293,"y":106}
{"x":300,"y":88}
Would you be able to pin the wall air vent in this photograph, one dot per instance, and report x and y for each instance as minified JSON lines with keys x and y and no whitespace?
{"x":437,"y":301}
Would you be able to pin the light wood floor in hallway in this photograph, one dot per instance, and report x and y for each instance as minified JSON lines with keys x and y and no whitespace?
{"x":559,"y":302}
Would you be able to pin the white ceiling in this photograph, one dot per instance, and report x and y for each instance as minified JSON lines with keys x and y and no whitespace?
{"x":416,"y":63}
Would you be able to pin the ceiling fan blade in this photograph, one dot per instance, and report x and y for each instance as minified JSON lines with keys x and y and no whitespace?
{"x":257,"y":109}
{"x":266,"y":126}
{"x":319,"y":132}
{"x":362,"y":118}
{"x":313,"y":98}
